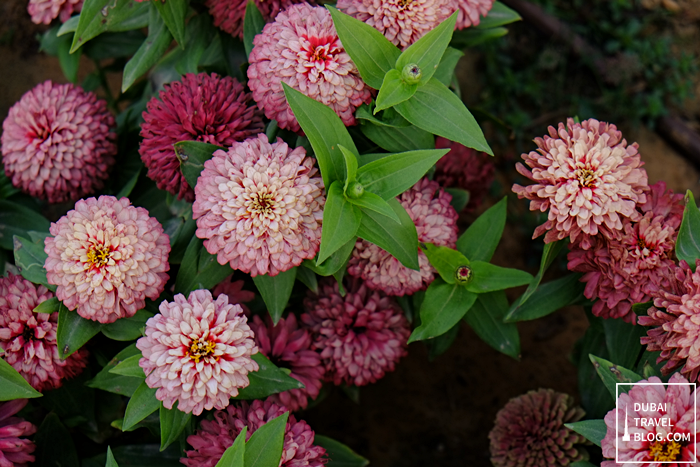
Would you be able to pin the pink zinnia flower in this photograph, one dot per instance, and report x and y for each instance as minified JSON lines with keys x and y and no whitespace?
{"x":471,"y":11}
{"x":58,"y":142}
{"x":622,"y":272}
{"x":675,"y":329}
{"x":588,"y":179}
{"x":530,"y":431}
{"x":259,"y":206}
{"x":45,"y":11}
{"x":429,"y":207}
{"x":302,"y":49}
{"x":197,"y":352}
{"x":217,"y":435}
{"x":676,"y":416}
{"x":288,"y":346}
{"x":15,"y":450}
{"x":106,"y":257}
{"x":235,"y":293}
{"x":464,"y":168}
{"x":360,"y":336}
{"x":29,"y":339}
{"x":207,"y":108}
{"x":230,"y":14}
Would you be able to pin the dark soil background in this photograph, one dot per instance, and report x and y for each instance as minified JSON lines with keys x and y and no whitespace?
{"x":425,"y":413}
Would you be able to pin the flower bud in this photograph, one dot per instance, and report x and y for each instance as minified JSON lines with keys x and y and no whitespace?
{"x":355,"y":190}
{"x":411,"y":74}
{"x":463,"y":274}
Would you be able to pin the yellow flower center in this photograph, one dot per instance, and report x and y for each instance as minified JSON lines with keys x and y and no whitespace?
{"x":201,"y":348}
{"x":586,"y":177}
{"x":99,"y":255}
{"x":262,"y":203}
{"x":404,"y":3}
{"x":665,"y":451}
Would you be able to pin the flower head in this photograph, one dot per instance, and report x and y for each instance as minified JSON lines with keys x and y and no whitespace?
{"x":465,"y":168}
{"x":530,"y":431}
{"x":671,"y":410}
{"x":471,"y":11}
{"x":29,"y":339}
{"x":403,"y":22}
{"x":587,"y":178}
{"x":58,"y":142}
{"x":229,"y":15}
{"x":630,"y":269}
{"x":429,"y":207}
{"x":259,"y":206}
{"x":106,"y":257}
{"x":207,"y":108}
{"x":197,"y":352}
{"x":217,"y":435}
{"x":289,"y":346}
{"x":302,"y":49}
{"x":15,"y":450}
{"x":360,"y":336}
{"x":674,"y":325}
{"x":45,"y":11}
{"x":235,"y":293}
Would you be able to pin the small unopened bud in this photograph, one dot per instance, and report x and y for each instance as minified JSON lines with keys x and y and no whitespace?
{"x":463,"y":274}
{"x":411,"y":74}
{"x":355,"y":190}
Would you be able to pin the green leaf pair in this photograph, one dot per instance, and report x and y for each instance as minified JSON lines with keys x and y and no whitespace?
{"x":263,"y":449}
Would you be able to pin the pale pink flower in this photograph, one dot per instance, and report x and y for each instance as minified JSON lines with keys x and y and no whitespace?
{"x":289,"y":346}
{"x":15,"y":450}
{"x":429,"y":207}
{"x":29,"y":339}
{"x":217,"y":435}
{"x":622,"y":272}
{"x":206,"y":108}
{"x":235,"y":293}
{"x":58,"y":142}
{"x":259,"y":206}
{"x":360,"y":336}
{"x":229,"y":15}
{"x":530,"y":431}
{"x":403,"y":22}
{"x":471,"y":11}
{"x":302,"y":49}
{"x":45,"y":11}
{"x":106,"y":257}
{"x":587,"y":178}
{"x":197,"y":352}
{"x":670,"y":407}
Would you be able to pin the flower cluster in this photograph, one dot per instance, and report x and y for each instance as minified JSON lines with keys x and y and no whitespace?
{"x":15,"y":449}
{"x":45,"y":11}
{"x":229,"y":14}
{"x":235,"y":293}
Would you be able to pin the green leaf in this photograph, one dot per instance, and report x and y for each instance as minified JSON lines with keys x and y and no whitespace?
{"x":127,"y":329}
{"x":308,"y":278}
{"x":448,"y":63}
{"x":30,"y":259}
{"x":488,"y":277}
{"x":595,"y":398}
{"x":341,"y":221}
{"x":172,"y":423}
{"x":499,"y":15}
{"x":199,"y":269}
{"x":401,"y":139}
{"x":549,"y":254}
{"x":142,"y":404}
{"x":69,"y":61}
{"x":438,"y":110}
{"x":264,"y":448}
{"x":98,"y":16}
{"x":151,"y":50}
{"x":393,"y":91}
{"x":612,"y":374}
{"x":199,"y":34}
{"x":16,"y":219}
{"x":69,"y":26}
{"x":440,"y":344}
{"x":446,"y":261}
{"x":129,"y":367}
{"x":390,"y":176}
{"x":399,"y":239}
{"x":234,"y":455}
{"x":48,"y":306}
{"x":275,"y":291}
{"x":339,"y":454}
{"x":427,"y":51}
{"x":325,"y":132}
{"x":266,"y":381}
{"x":593,"y":430}
{"x":547,"y":299}
{"x":253,"y":25}
{"x":192,"y":156}
{"x":388,"y":118}
{"x":460,"y":198}
{"x":688,"y":242}
{"x":333,"y":264}
{"x":374,"y":203}
{"x":123,"y":385}
{"x":173,"y":13}
{"x":13,"y":385}
{"x":640,"y":309}
{"x":444,"y":305}
{"x":129,"y":185}
{"x":473,"y":36}
{"x":73,"y":331}
{"x":54,"y":445}
{"x":622,"y":340}
{"x":486,"y":318}
{"x":372,"y":53}
{"x":111,"y":461}
{"x":479,"y":241}
{"x":350,"y":165}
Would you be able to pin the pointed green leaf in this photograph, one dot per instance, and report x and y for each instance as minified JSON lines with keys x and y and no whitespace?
{"x":448,"y":63}
{"x":172,"y":423}
{"x":275,"y":291}
{"x":549,"y":254}
{"x":253,"y":24}
{"x":444,"y":305}
{"x":142,"y":404}
{"x":339,"y":454}
{"x":623,"y":341}
{"x":199,"y":269}
{"x":123,"y":385}
{"x":129,"y":367}
{"x":341,"y":220}
{"x":470,"y":37}
{"x":479,"y":241}
{"x":499,"y":15}
{"x":688,"y":242}
{"x":173,"y":13}
{"x":460,"y":198}
{"x":192,"y":156}
{"x":593,"y":430}
{"x":13,"y":385}
{"x":446,"y":261}
{"x":438,"y":110}
{"x":441,"y":344}
{"x":234,"y":455}
{"x":69,"y":62}
{"x":73,"y":331}
{"x":127,"y":329}
{"x":111,"y":461}
{"x":427,"y":51}
{"x":486,"y":318}
{"x":264,"y":448}
{"x":393,"y":91}
{"x":488,"y":277}
{"x":30,"y":258}
{"x":69,"y":26}
{"x":401,"y":139}
{"x":399,"y":239}
{"x":98,"y":16}
{"x":308,"y":278}
{"x":150,"y":52}
{"x":266,"y":381}
{"x":372,"y":53}
{"x":333,"y":264}
{"x":547,"y":299}
{"x":350,"y":165}
{"x":48,"y":306}
{"x":612,"y":374}
{"x":375,"y":203}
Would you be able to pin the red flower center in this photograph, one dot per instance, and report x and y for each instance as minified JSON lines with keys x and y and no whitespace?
{"x":99,"y":255}
{"x":321,"y":49}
